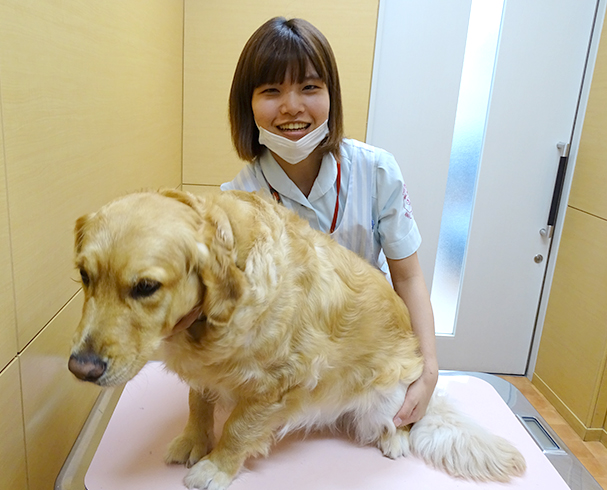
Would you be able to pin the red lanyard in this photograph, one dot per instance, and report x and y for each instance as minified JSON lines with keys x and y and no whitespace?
{"x":338,"y":185}
{"x":276,"y":196}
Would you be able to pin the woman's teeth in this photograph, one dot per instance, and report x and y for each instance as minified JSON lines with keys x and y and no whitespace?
{"x":293,"y":126}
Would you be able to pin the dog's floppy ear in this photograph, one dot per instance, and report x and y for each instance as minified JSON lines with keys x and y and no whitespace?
{"x":216,"y":263}
{"x":223,"y":280}
{"x":79,"y":230}
{"x":181,"y":196}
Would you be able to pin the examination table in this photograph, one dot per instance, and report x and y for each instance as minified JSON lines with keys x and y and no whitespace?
{"x":153,"y":408}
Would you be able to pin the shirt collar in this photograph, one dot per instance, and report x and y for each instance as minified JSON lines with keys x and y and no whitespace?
{"x":279,"y":180}
{"x":326,"y":178}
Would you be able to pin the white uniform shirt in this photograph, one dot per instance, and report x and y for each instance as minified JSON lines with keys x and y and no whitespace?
{"x":374,"y":208}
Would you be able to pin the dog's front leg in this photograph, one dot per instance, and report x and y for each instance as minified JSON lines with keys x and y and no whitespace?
{"x":247,"y":432}
{"x":196,"y":439}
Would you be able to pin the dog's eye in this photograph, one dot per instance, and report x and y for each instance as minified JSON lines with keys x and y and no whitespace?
{"x":84,"y":277}
{"x":145,"y":288}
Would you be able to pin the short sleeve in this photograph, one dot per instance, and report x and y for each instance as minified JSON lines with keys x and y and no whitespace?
{"x":246,"y":180}
{"x":398,"y":232}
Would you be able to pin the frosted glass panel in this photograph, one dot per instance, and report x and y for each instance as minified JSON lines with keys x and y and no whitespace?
{"x":466,"y":149}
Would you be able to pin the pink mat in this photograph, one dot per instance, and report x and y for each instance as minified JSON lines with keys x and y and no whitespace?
{"x":153,"y":410}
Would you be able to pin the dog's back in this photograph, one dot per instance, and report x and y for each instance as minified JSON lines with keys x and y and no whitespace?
{"x":311,"y":313}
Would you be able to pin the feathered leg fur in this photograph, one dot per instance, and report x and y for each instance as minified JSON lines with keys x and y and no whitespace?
{"x":452,"y":442}
{"x":444,"y":438}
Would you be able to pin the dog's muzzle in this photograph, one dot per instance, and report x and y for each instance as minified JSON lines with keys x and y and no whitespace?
{"x":87,"y":366}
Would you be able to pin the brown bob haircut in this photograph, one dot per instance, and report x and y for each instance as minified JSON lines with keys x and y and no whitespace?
{"x":277,"y":47}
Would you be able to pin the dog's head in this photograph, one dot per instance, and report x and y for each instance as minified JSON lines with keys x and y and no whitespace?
{"x":145,"y":261}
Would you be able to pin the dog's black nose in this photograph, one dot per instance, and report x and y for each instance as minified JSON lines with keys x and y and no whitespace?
{"x":86,"y":366}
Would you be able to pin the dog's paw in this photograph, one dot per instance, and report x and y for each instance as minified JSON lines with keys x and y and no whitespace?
{"x":187,"y":449}
{"x":395,"y":445}
{"x":205,"y":475}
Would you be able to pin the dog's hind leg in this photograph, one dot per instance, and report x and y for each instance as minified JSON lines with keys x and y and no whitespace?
{"x":196,"y":440}
{"x":373,"y":422}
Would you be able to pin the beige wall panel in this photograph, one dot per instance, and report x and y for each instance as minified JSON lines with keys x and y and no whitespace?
{"x":8,"y":332}
{"x":574,"y":339}
{"x":55,"y":403}
{"x":590,"y":179}
{"x":12,"y":448}
{"x":201,"y":190}
{"x":91,"y":99}
{"x":215,"y":33}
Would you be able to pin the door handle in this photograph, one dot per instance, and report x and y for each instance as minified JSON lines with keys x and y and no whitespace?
{"x":558,"y":190}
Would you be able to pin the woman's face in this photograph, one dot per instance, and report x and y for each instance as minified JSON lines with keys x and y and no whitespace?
{"x":292,"y":109}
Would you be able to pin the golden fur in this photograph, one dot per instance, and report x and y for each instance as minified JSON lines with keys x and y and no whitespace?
{"x":293,"y":331}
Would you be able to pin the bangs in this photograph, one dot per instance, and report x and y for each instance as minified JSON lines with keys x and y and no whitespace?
{"x":286,"y":54}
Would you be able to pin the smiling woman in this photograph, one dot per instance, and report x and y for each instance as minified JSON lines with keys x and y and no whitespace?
{"x":286,"y":120}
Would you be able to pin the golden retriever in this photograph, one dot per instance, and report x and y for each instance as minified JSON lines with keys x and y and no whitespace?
{"x":293,"y":331}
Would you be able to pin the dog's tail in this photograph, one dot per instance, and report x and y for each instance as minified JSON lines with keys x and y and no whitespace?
{"x":454,"y":443}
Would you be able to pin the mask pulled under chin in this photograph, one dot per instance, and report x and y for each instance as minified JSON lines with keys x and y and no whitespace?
{"x":293,"y":151}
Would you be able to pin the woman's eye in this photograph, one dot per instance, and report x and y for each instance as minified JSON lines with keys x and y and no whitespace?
{"x":145,"y":288}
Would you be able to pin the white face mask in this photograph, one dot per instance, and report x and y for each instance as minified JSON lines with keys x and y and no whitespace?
{"x":293,"y":151}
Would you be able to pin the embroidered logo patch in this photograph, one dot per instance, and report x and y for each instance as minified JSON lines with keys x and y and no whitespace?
{"x":407,"y":203}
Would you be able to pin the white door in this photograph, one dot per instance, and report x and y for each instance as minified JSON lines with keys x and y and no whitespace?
{"x":496,"y":83}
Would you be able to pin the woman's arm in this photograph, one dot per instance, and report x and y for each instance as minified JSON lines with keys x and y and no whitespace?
{"x":409,"y":284}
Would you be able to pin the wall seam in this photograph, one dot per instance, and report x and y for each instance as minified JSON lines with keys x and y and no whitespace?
{"x":377,"y":20}
{"x":588,"y":213}
{"x":182,"y":91}
{"x":12,"y":272}
{"x":8,"y":213}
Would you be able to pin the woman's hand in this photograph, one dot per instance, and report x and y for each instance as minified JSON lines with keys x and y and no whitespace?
{"x":417,"y":398}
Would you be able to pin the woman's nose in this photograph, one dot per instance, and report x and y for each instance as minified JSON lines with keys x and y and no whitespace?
{"x":292,"y":104}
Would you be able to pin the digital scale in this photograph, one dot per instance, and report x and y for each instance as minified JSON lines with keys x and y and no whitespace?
{"x":127,"y":452}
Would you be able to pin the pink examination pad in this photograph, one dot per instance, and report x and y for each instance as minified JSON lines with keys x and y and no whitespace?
{"x":153,"y":409}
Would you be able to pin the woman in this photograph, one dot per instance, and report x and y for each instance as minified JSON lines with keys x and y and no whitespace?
{"x":287,"y":121}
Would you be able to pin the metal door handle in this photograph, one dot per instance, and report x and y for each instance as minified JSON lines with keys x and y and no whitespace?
{"x":558,"y":190}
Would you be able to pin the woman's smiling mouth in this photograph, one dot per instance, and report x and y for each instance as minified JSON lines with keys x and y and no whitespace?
{"x":293,"y":126}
